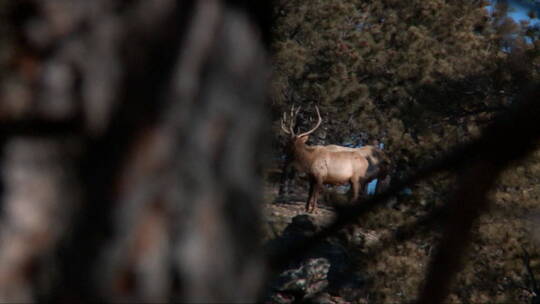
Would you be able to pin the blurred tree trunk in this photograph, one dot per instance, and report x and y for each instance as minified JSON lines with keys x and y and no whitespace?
{"x":132,"y":133}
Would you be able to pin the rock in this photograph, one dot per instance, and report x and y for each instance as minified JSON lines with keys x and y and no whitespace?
{"x":308,"y":279}
{"x":327,"y":274}
{"x":322,"y":298}
{"x":301,"y":283}
{"x":302,"y":225}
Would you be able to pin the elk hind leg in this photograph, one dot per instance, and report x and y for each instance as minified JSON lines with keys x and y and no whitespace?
{"x":356,"y":186}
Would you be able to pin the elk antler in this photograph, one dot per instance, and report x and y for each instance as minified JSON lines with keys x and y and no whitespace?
{"x":316,"y":126}
{"x":283,"y":121}
{"x":292,"y":119}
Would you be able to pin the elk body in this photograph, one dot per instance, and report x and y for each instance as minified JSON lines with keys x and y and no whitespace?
{"x":332,"y":164}
{"x":379,"y":163}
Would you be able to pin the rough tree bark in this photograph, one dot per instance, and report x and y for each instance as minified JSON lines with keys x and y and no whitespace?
{"x":132,"y":137}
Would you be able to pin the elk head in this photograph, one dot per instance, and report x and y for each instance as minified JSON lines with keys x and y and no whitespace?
{"x":297,"y":139}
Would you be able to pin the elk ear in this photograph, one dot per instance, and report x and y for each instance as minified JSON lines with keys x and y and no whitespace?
{"x":304,"y":138}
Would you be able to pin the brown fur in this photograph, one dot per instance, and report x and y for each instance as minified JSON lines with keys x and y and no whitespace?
{"x":379,"y":163}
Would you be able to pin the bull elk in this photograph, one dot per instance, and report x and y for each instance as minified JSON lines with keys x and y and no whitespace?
{"x":331,"y":164}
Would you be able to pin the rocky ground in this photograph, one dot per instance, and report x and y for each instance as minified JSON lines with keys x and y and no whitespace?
{"x":279,"y":211}
{"x":324,"y":275}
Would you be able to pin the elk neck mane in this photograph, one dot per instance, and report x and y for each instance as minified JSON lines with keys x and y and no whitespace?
{"x":305,"y":154}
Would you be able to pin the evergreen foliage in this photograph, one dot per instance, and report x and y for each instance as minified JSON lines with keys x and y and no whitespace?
{"x":419,"y":76}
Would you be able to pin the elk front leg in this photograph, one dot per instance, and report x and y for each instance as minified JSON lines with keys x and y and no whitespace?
{"x":317,"y":188}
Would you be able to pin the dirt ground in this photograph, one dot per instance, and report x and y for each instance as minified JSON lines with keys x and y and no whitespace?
{"x":278,"y":212}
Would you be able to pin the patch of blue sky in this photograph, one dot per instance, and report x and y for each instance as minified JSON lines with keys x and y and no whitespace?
{"x":519,"y":10}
